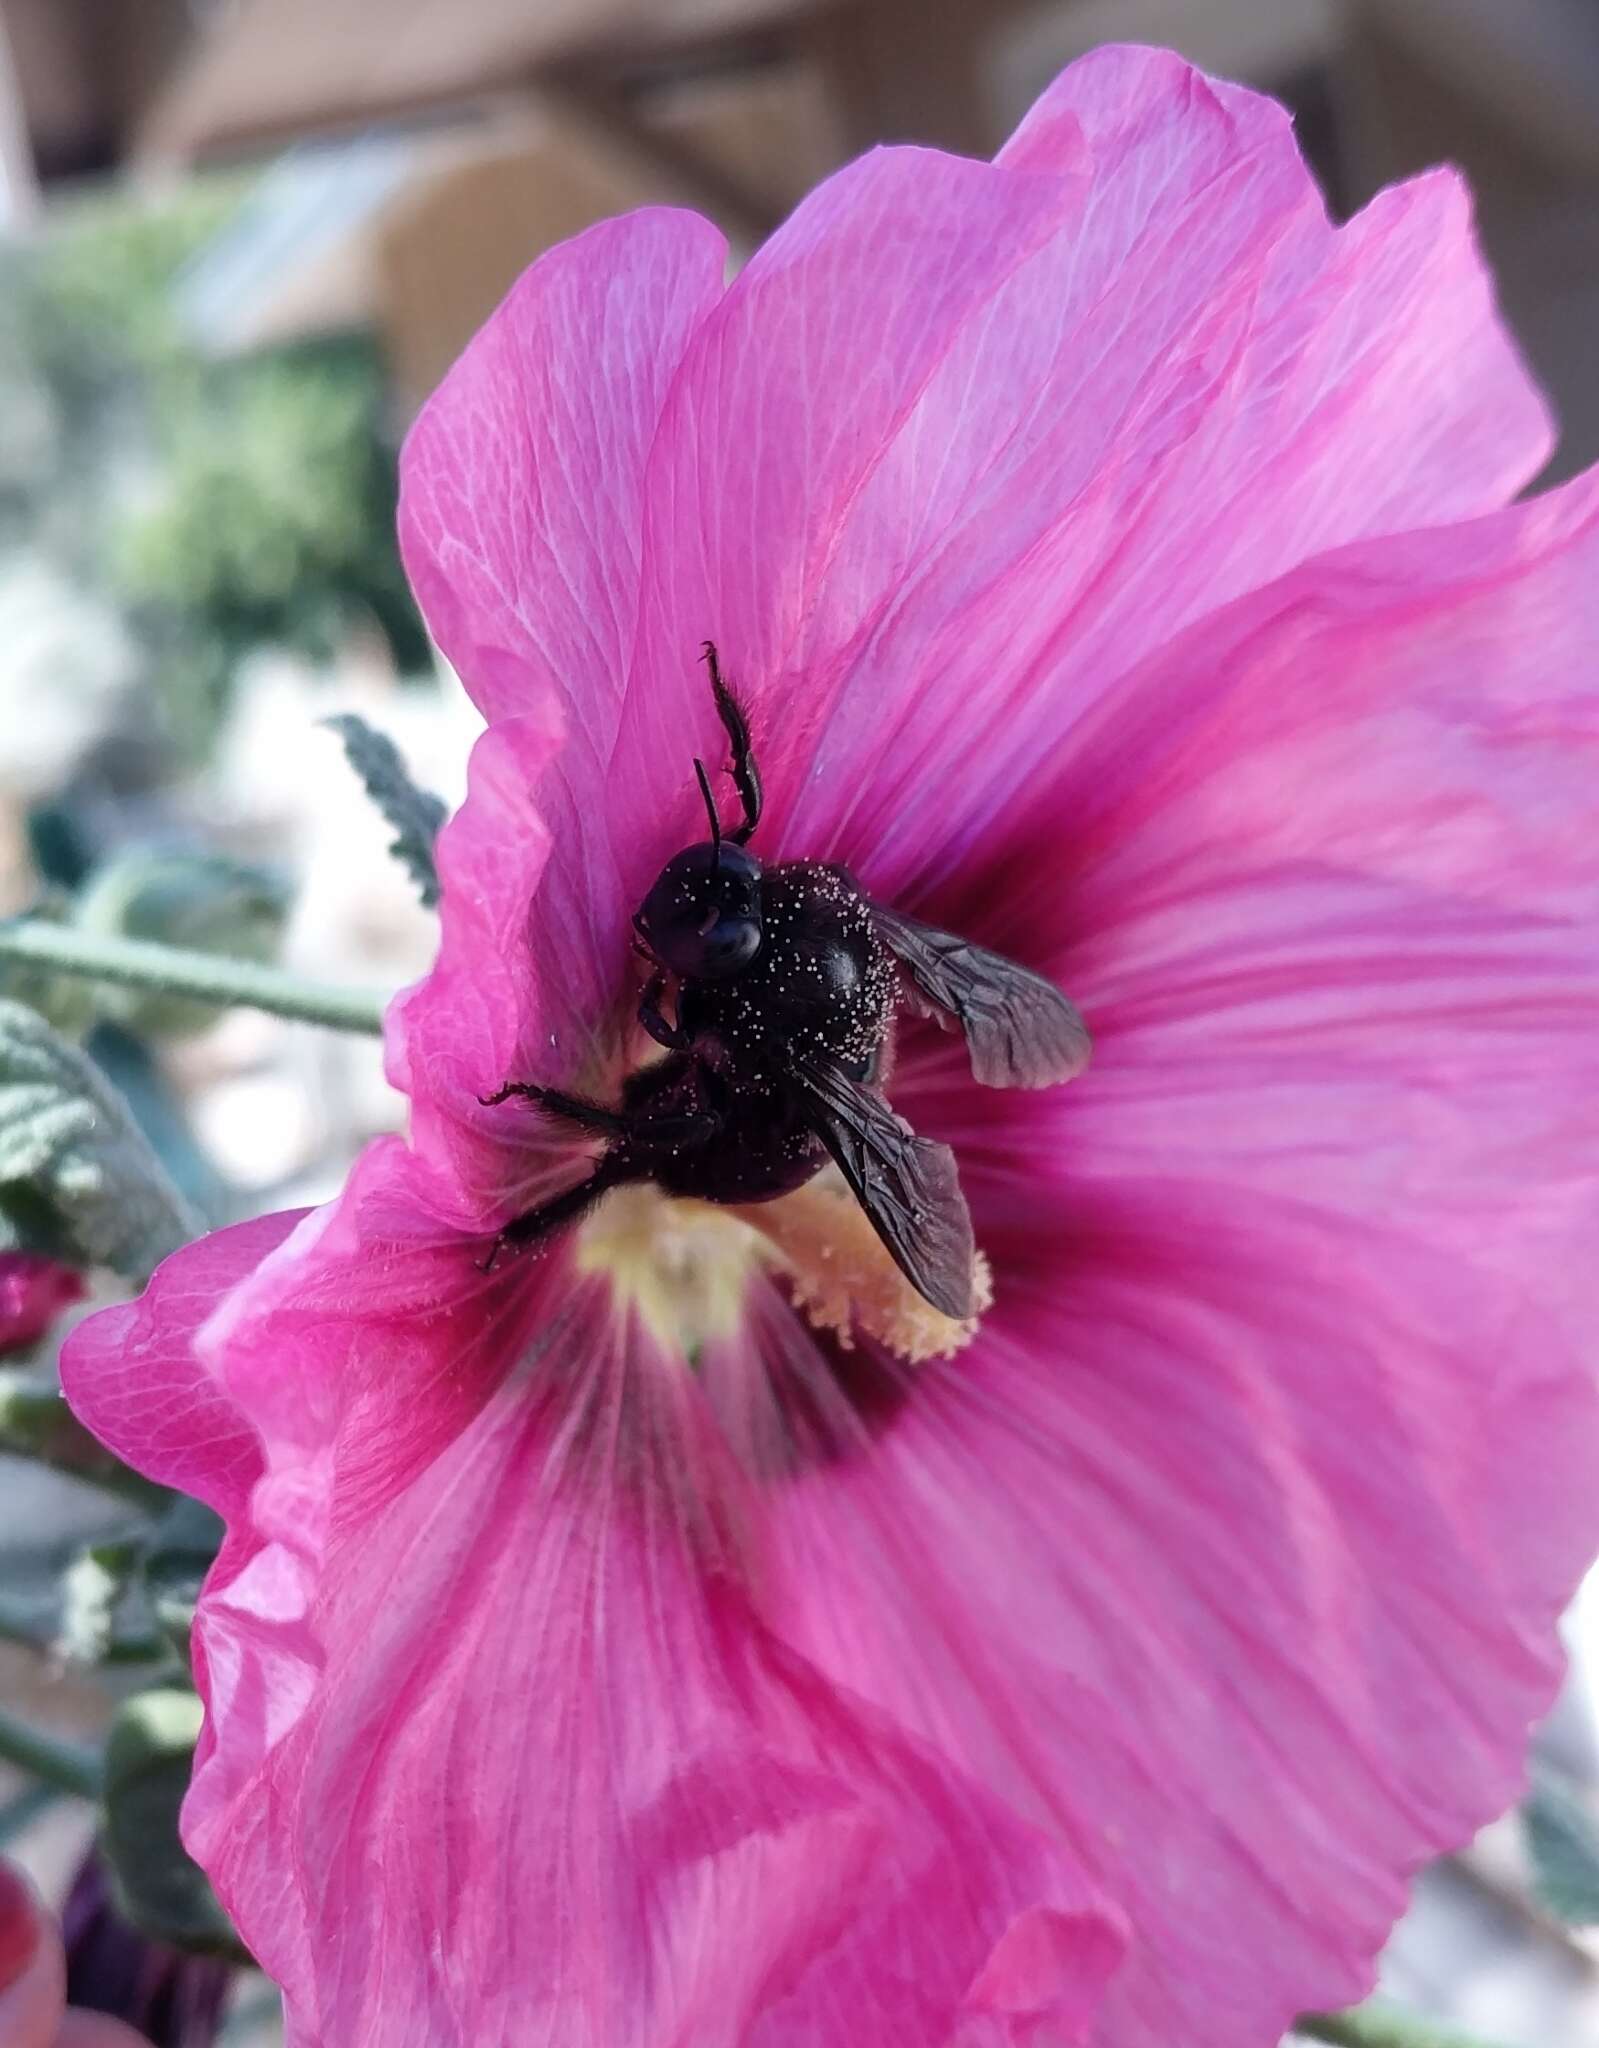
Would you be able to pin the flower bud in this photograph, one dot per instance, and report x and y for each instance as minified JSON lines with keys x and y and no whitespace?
{"x":34,"y":1290}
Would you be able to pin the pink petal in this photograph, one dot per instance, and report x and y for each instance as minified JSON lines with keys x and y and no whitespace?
{"x":521,"y":501}
{"x":526,"y":981}
{"x":1294,"y":1288}
{"x":556,"y":843}
{"x":1344,"y":908}
{"x":787,"y":400}
{"x":1217,"y":1561}
{"x":1195,"y":384}
{"x":500,"y":1748}
{"x":521,"y":520}
{"x":130,"y":1372}
{"x":961,"y":445}
{"x":957,"y":449}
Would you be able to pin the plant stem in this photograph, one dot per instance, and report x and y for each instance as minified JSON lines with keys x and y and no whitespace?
{"x":1379,"y":2025}
{"x":67,"y":1765}
{"x":208,"y":977}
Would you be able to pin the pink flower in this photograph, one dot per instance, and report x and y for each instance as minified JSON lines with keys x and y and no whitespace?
{"x":1119,"y":566}
{"x":33,"y":1292}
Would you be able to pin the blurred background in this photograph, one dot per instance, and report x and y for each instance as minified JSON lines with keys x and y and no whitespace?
{"x":239,"y":241}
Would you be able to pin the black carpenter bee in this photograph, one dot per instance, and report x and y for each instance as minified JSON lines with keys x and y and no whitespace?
{"x":786,"y":981}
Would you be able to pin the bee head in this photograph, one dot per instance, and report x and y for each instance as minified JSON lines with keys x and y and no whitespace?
{"x":702,"y":919}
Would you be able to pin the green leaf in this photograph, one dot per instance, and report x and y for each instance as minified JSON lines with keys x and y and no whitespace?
{"x":77,"y":1177}
{"x":1562,"y":1835}
{"x":149,"y":1759}
{"x":415,"y":814}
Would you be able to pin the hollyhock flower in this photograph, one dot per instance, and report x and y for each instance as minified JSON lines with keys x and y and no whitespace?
{"x":657,"y":1638}
{"x":33,"y":1292}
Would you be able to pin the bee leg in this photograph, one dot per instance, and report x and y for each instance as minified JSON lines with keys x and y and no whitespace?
{"x":566,"y":1207}
{"x":672,"y":1036}
{"x":573,"y":1109}
{"x":746,"y":776}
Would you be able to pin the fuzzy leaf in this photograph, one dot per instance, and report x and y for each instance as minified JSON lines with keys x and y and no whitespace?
{"x":1563,"y":1841}
{"x":77,"y":1177}
{"x":149,"y":1759}
{"x":416,"y":814}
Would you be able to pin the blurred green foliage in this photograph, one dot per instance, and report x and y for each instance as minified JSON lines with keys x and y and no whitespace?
{"x":205,"y":904}
{"x":220,"y":504}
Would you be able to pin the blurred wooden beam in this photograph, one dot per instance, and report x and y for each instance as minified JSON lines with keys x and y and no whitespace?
{"x":268,"y":70}
{"x":1408,"y":100}
{"x":657,"y":160}
{"x":1531,"y":64}
{"x":911,"y":70}
{"x":19,"y":178}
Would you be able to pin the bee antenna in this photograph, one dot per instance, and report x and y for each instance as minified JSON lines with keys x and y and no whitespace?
{"x":710,"y":804}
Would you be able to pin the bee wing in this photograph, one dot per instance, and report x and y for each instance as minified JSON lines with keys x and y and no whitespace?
{"x":1020,"y":1030}
{"x":908,"y":1186}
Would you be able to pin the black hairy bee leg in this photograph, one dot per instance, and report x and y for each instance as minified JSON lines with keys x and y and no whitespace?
{"x":650,"y":1015}
{"x":566,"y":1207}
{"x":641,"y":1137}
{"x":746,"y":776}
{"x":572,"y":1109}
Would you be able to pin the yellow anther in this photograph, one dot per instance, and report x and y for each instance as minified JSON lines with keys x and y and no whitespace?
{"x":684,"y":1267}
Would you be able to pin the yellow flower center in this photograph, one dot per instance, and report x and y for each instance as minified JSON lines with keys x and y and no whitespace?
{"x":685,"y":1267}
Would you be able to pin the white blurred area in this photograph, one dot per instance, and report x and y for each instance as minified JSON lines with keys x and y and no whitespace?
{"x":68,"y":668}
{"x":1476,"y":1947}
{"x":399,"y":162}
{"x":282,"y":1107}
